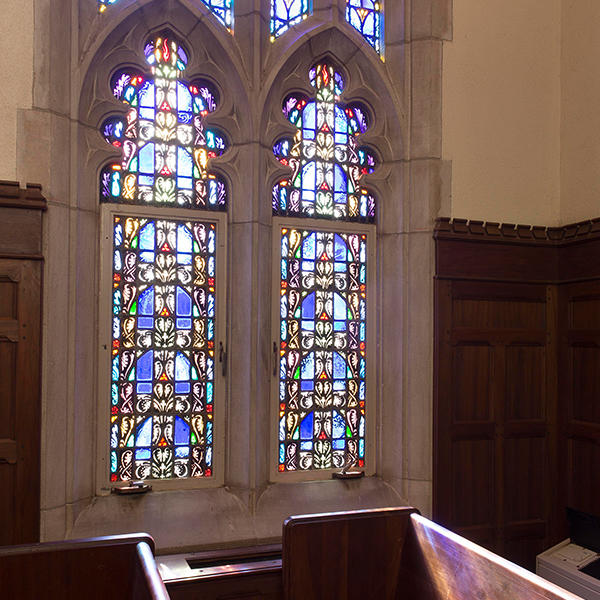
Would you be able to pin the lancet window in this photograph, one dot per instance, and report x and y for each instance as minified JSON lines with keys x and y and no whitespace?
{"x":165,"y":275}
{"x":326,"y":270}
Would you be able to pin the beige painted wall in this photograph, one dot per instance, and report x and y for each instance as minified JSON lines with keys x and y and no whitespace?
{"x":580,"y":122}
{"x":501,"y":110}
{"x":16,"y":66}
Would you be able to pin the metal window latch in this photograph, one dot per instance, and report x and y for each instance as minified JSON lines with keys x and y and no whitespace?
{"x":275,"y":359}
{"x":223,"y":359}
{"x":345,"y":474}
{"x":134,"y":487}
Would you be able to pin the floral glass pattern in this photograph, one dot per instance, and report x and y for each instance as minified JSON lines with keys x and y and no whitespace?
{"x":366,"y":16}
{"x":327,"y":163}
{"x":164,"y":143}
{"x":285,"y":13}
{"x":322,"y":370}
{"x":163,"y":331}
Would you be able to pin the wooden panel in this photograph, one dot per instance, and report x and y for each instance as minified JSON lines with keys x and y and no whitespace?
{"x":495,"y":407}
{"x":116,"y":567}
{"x":525,"y":474}
{"x":501,"y":261}
{"x":230,"y":586}
{"x":20,"y":232}
{"x":585,"y":404}
{"x":344,"y":555}
{"x":525,"y":382}
{"x":585,"y":312}
{"x":583,"y":482}
{"x":470,"y":385}
{"x":20,"y":399}
{"x":473,"y":499}
{"x":498,"y":314}
{"x":8,"y":365}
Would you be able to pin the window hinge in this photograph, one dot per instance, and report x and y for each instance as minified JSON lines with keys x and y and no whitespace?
{"x":223,"y":359}
{"x":134,"y":487}
{"x":275,"y":359}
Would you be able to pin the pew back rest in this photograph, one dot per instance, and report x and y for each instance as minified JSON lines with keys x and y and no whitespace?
{"x":349,"y":555}
{"x":393,"y":554}
{"x":446,"y":565}
{"x":112,"y":567}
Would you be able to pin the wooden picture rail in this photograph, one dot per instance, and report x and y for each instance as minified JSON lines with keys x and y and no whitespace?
{"x":115,"y":567}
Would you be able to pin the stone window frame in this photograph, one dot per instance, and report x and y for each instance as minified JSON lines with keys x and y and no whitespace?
{"x":71,"y":58}
{"x":107,"y":213}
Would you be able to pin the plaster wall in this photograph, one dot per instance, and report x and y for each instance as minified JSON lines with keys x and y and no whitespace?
{"x":16,"y":75}
{"x":580,"y":117}
{"x":501,"y":109}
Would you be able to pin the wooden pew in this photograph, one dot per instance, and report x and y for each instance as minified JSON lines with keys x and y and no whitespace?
{"x":111,"y":567}
{"x":395,"y":553}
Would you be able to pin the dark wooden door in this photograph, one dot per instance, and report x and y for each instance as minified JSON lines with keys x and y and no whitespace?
{"x":495,"y":422}
{"x":20,"y":289}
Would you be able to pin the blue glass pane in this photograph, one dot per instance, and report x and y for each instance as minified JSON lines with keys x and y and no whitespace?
{"x":182,"y":368}
{"x":308,"y":367}
{"x":182,"y":432}
{"x":306,"y":427}
{"x":145,"y":366}
{"x":184,"y":303}
{"x":144,"y":433}
{"x":146,"y":302}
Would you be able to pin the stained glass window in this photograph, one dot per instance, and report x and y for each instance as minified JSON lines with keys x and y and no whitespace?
{"x":102,"y":4}
{"x":163,"y":332}
{"x":366,"y":16}
{"x":327,"y":163}
{"x":324,"y":278}
{"x":322,"y":371}
{"x":222,"y":9}
{"x":285,"y":13}
{"x":165,"y":145}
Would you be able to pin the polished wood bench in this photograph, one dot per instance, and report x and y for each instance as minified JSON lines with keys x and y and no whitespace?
{"x":112,"y":567}
{"x":395,"y":553}
{"x":381,"y":554}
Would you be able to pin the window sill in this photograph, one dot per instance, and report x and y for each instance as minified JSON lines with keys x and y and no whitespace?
{"x":187,"y":520}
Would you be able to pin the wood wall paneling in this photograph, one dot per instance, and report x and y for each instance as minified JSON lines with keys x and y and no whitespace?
{"x":495,"y":450}
{"x":20,"y":366}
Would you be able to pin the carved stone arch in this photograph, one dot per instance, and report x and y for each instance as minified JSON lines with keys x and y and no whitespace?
{"x":95,"y":27}
{"x":367,"y":82}
{"x":124,"y":47}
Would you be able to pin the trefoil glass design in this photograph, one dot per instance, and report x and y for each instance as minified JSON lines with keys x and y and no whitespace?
{"x":164,"y":143}
{"x":163,"y":345}
{"x":322,"y":369}
{"x":285,"y":13}
{"x":327,"y":163}
{"x":366,"y":16}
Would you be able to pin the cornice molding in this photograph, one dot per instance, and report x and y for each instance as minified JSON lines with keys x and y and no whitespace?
{"x":469,"y":230}
{"x":14,"y":196}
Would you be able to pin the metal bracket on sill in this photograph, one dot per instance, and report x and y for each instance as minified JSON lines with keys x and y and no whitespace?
{"x":345,"y":474}
{"x":134,"y":487}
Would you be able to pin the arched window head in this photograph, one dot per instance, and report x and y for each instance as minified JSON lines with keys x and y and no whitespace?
{"x":366,"y":16}
{"x":222,"y":9}
{"x":285,"y":13}
{"x":165,"y":146}
{"x":327,"y":163}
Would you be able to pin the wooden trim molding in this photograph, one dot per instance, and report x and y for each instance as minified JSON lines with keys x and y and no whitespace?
{"x":14,"y":196}
{"x":446,"y":228}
